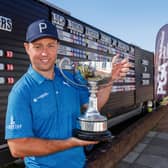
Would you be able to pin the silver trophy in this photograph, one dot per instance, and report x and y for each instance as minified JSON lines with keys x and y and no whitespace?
{"x":91,"y":74}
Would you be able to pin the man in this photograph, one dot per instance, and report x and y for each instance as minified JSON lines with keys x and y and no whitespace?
{"x":42,"y":107}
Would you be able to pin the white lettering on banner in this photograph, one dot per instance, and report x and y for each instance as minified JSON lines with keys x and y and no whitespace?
{"x":162,"y":78}
{"x":5,"y":24}
{"x":163,"y":50}
{"x":162,"y":68}
{"x":13,"y":124}
{"x":42,"y":26}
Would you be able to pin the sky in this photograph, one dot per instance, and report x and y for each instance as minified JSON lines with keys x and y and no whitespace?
{"x":133,"y":21}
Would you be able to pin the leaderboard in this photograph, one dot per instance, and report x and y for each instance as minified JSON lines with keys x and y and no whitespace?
{"x":82,"y":41}
{"x":8,"y":67}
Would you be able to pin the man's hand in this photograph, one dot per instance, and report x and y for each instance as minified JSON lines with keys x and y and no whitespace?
{"x":79,"y":142}
{"x":120,"y":69}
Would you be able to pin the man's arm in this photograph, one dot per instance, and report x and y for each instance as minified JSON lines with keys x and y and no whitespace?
{"x":103,"y":96}
{"x":119,"y":71}
{"x":22,"y":147}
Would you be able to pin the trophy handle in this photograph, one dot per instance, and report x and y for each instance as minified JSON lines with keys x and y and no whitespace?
{"x":66,"y":64}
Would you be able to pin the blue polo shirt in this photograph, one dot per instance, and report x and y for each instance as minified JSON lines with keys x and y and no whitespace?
{"x":43,"y":108}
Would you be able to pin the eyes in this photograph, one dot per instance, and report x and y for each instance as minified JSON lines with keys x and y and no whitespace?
{"x":39,"y":46}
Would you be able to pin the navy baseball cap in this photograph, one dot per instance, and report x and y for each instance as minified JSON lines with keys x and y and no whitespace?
{"x":39,"y":29}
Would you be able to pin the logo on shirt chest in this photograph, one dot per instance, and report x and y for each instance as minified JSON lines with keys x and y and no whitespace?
{"x":40,"y":97}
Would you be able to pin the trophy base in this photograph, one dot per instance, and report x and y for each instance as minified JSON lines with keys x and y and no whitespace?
{"x":93,"y":136}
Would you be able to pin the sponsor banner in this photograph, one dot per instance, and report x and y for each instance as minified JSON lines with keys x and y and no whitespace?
{"x":161,"y":63}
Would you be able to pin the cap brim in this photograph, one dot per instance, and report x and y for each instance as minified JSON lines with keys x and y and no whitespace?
{"x":42,"y":36}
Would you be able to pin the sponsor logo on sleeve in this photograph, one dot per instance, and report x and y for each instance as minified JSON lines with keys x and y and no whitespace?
{"x":13,"y":125}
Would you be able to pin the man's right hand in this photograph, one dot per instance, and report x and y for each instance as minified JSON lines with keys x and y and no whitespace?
{"x":80,"y":142}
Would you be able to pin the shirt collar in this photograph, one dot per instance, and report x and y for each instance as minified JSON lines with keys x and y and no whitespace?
{"x":35,"y":75}
{"x":38,"y":77}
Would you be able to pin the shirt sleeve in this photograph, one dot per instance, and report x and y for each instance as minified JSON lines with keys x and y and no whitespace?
{"x":18,"y":117}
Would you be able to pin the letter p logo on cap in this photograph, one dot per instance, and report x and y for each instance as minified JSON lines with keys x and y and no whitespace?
{"x":42,"y":26}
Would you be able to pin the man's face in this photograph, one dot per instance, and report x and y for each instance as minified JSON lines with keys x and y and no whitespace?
{"x":42,"y":54}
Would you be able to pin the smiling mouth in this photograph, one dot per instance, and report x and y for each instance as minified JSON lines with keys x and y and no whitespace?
{"x":44,"y":60}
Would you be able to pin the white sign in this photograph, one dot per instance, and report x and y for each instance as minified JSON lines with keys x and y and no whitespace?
{"x":5,"y":24}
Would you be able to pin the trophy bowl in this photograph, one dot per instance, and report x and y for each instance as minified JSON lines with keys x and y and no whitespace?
{"x":91,"y":74}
